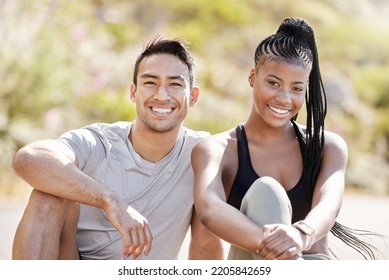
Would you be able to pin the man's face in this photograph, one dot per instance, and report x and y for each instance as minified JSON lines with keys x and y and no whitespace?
{"x":162,"y":94}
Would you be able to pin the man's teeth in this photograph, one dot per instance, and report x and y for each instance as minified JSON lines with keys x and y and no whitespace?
{"x":162,"y":110}
{"x":279,"y":111}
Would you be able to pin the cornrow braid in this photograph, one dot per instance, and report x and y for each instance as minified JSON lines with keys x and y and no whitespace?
{"x":294,"y":43}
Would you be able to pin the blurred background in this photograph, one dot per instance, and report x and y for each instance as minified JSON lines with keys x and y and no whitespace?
{"x":64,"y":64}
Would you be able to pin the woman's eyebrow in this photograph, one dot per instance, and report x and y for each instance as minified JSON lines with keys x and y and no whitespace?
{"x":277,"y":78}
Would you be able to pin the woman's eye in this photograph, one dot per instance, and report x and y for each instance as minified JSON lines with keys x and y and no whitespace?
{"x":297,"y":89}
{"x":273,"y":83}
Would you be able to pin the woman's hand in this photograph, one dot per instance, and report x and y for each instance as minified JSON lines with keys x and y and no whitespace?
{"x":281,"y":242}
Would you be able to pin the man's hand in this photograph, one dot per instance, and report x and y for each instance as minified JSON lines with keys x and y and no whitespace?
{"x":133,"y":227}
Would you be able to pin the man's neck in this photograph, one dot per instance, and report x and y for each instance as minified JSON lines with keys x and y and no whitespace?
{"x":150,"y":145}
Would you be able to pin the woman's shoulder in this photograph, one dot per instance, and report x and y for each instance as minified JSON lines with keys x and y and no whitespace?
{"x":335,"y":147}
{"x":332,"y":140}
{"x":220,"y":138}
{"x":216,"y":144}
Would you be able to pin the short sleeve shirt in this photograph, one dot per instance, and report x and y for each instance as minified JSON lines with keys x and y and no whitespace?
{"x":162,"y":192}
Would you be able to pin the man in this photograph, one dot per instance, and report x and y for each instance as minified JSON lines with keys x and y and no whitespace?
{"x":111,"y":191}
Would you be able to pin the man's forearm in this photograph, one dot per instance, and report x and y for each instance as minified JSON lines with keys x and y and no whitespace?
{"x":49,"y":167}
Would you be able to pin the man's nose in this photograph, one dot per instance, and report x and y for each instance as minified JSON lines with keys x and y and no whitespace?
{"x":162,"y":93}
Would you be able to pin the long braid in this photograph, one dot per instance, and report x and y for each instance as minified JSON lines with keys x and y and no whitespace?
{"x":349,"y":237}
{"x":317,"y":110}
{"x":295,"y":43}
{"x":316,"y":104}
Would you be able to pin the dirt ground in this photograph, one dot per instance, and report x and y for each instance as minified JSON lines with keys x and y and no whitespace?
{"x":359,"y":211}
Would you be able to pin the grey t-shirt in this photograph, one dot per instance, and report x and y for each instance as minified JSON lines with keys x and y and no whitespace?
{"x":162,"y":192}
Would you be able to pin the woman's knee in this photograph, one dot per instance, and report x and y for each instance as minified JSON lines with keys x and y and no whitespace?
{"x":267,"y":201}
{"x":267,"y":185}
{"x":267,"y":190}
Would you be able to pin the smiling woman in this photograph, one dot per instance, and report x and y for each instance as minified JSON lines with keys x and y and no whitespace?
{"x":272,"y":180}
{"x":286,"y":82}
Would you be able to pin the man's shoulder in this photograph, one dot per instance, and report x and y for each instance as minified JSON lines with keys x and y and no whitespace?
{"x":109,"y":126}
{"x":116,"y":128}
{"x":105,"y":132}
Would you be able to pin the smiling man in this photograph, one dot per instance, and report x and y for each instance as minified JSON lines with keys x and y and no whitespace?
{"x":113,"y":191}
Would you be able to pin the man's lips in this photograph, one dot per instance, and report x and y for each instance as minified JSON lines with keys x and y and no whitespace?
{"x":163,"y":111}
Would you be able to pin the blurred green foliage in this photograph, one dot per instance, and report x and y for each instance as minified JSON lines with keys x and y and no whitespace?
{"x":64,"y":64}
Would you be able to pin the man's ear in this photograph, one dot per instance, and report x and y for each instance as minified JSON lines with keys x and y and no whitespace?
{"x":132,"y":92}
{"x":194,"y":95}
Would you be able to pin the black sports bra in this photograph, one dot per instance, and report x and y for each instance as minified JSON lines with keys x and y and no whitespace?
{"x":246,"y":176}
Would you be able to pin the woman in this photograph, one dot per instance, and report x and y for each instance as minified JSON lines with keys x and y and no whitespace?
{"x":272,"y":187}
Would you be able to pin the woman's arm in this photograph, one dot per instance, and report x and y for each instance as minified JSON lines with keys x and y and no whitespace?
{"x":329,"y":189}
{"x":327,"y":199}
{"x":204,"y":245}
{"x":220,"y":218}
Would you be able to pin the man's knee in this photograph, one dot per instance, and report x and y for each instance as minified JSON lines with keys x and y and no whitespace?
{"x":48,"y":228}
{"x":49,"y":207}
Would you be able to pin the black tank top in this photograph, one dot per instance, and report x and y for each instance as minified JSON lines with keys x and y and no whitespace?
{"x":246,"y":176}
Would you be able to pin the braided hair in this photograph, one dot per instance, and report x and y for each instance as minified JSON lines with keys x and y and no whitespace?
{"x":294,"y":43}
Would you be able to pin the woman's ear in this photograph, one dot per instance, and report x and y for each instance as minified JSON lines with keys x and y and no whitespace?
{"x":251,"y":77}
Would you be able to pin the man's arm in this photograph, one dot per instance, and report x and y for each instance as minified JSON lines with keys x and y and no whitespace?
{"x":203,"y":244}
{"x":50,"y":166}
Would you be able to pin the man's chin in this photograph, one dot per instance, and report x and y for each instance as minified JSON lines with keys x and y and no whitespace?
{"x":162,"y":128}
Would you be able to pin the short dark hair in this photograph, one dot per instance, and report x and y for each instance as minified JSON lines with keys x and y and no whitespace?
{"x":176,"y":47}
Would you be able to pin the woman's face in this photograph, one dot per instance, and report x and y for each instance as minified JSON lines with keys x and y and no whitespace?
{"x":278,"y":90}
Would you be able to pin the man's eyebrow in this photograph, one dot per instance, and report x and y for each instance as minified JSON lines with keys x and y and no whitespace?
{"x":147,"y":75}
{"x":177,"y":78}
{"x":174,"y":77}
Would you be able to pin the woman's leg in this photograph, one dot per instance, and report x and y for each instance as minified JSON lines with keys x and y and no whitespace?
{"x":266,"y":202}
